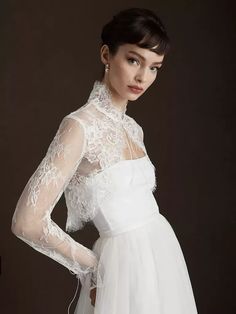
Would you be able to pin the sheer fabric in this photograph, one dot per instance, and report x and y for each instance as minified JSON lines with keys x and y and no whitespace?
{"x":87,"y":142}
{"x":97,"y":158}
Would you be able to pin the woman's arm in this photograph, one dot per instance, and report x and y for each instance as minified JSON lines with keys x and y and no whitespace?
{"x":32,"y":221}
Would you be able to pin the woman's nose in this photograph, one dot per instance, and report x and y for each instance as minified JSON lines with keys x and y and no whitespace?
{"x":141,"y":75}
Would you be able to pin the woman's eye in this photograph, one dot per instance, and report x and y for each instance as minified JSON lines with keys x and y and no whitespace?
{"x":132,"y":60}
{"x":155,"y":69}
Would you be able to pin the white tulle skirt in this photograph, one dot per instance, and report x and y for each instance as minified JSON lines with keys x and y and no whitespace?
{"x":143,"y":272}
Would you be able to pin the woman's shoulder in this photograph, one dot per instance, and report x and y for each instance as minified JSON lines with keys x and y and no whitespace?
{"x":133,"y":122}
{"x":82,"y":114}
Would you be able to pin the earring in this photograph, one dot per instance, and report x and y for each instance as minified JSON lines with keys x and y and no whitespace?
{"x":107,"y":67}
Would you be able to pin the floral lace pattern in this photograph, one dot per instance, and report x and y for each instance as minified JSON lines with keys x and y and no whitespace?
{"x":87,"y":142}
{"x":107,"y":129}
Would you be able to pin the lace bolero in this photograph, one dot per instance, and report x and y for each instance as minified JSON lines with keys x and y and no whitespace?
{"x":88,"y":140}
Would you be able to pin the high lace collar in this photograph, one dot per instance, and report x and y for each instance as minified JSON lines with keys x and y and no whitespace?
{"x":102,"y":99}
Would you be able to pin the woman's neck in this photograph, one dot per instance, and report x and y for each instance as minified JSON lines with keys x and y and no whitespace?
{"x":117,"y":101}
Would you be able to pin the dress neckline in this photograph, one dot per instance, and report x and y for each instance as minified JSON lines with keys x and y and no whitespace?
{"x":100,"y":96}
{"x":134,"y":158}
{"x":120,"y":162}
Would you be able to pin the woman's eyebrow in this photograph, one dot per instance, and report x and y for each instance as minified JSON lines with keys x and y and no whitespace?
{"x":142,"y":57}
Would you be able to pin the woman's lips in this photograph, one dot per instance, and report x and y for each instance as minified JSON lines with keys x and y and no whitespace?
{"x":135,"y":90}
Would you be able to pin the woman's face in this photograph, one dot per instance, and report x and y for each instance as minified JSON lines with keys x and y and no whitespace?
{"x":130,"y":66}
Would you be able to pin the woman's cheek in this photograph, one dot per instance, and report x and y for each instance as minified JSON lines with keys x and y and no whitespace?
{"x":124,"y":67}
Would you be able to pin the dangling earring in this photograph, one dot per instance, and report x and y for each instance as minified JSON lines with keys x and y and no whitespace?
{"x":107,"y":67}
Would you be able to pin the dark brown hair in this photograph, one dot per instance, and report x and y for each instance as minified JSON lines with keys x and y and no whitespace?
{"x":136,"y":26}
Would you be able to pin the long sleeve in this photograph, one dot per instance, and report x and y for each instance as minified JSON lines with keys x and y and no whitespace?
{"x":32,"y":221}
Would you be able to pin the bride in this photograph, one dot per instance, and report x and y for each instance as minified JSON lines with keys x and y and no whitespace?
{"x":98,"y":159}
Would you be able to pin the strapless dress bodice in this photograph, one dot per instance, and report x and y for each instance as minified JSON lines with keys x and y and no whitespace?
{"x":130,"y":202}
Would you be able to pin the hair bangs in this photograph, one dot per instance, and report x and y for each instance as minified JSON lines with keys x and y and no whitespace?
{"x":155,"y":43}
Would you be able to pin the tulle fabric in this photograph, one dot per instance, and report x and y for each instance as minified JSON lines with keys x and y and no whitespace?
{"x":142,"y":271}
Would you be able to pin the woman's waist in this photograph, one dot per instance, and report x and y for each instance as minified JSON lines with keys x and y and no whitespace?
{"x":118,"y":229}
{"x":122,"y":214}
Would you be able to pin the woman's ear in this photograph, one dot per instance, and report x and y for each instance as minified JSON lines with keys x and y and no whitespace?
{"x":104,"y":51}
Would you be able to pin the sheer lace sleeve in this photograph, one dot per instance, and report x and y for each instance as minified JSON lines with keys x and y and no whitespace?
{"x":32,"y":221}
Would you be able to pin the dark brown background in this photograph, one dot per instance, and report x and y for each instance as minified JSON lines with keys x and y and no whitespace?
{"x":50,"y":59}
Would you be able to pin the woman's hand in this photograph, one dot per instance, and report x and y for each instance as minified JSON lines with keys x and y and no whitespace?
{"x":93,"y":296}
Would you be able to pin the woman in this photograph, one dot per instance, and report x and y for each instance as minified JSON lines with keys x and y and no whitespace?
{"x":98,"y":159}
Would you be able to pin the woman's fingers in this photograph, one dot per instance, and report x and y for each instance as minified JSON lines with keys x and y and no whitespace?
{"x":93,"y":296}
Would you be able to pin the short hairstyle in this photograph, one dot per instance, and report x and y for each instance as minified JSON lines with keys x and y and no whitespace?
{"x":136,"y":26}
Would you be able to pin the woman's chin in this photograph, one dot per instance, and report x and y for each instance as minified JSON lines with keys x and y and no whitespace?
{"x":132,"y":97}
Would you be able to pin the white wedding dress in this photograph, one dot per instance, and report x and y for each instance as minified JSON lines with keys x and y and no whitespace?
{"x":98,"y":160}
